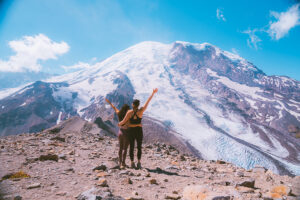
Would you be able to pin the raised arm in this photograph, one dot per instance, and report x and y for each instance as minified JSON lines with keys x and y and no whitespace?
{"x":116,"y":110}
{"x":126,"y":118}
{"x":149,"y":99}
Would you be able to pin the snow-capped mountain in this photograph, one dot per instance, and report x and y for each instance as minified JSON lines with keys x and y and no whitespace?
{"x":219,"y":103}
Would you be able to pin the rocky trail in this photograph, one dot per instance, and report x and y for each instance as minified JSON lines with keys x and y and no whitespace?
{"x":79,"y":161}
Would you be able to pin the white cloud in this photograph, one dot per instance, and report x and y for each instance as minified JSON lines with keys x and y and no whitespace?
{"x":77,"y":66}
{"x":29,"y":51}
{"x":284,"y":22}
{"x":220,"y":14}
{"x":253,"y":40}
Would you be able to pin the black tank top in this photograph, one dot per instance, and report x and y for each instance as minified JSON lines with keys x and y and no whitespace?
{"x":136,"y":120}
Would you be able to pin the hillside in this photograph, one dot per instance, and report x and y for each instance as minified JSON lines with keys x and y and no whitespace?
{"x":77,"y":160}
{"x":217,"y":103}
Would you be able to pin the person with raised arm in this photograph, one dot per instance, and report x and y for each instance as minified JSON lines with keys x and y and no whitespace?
{"x":135,"y":128}
{"x":122,"y":136}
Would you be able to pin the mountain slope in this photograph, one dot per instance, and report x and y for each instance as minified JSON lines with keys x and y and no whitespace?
{"x":74,"y":161}
{"x":217,"y":102}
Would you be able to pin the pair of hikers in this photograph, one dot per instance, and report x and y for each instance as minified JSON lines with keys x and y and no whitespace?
{"x":131,"y":130}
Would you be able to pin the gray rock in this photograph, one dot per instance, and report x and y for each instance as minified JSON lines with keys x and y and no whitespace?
{"x":97,"y":194}
{"x":100,"y":167}
{"x":247,"y":183}
{"x":34,"y":185}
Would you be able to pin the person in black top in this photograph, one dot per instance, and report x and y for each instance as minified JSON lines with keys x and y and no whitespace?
{"x":135,"y":130}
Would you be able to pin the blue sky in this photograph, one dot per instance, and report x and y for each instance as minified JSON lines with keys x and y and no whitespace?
{"x":79,"y":33}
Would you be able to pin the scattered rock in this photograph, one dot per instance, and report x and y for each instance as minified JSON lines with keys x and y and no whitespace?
{"x":17,"y":197}
{"x":243,"y":189}
{"x":97,"y":194}
{"x":200,"y":192}
{"x":58,"y":139}
{"x":279,"y":192}
{"x":61,"y":194}
{"x":102,"y":182}
{"x":62,"y":156}
{"x":100,"y":167}
{"x":34,"y":185}
{"x":48,"y":157}
{"x":182,"y":158}
{"x":247,"y":183}
{"x":221,"y":162}
{"x":134,"y":198}
{"x":102,"y":174}
{"x":172,"y":196}
{"x":129,"y":181}
{"x":153,"y":181}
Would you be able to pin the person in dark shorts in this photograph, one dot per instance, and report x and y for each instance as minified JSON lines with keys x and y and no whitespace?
{"x":135,"y":130}
{"x":122,"y":136}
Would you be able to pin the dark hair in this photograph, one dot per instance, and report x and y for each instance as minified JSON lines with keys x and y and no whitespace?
{"x":123,"y":111}
{"x":136,"y":103}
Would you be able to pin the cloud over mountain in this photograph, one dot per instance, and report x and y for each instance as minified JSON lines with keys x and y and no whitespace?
{"x":29,"y":51}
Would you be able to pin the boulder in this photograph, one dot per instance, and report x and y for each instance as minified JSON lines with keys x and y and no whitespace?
{"x":201,"y":192}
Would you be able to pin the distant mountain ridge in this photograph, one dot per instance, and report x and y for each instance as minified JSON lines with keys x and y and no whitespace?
{"x":217,"y":102}
{"x":15,"y":79}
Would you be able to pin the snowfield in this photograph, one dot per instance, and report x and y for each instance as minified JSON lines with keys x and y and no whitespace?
{"x":195,"y":113}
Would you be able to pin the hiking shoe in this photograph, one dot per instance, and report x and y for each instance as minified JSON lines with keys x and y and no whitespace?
{"x":133,"y":165}
{"x":122,"y":167}
{"x":139,"y":166}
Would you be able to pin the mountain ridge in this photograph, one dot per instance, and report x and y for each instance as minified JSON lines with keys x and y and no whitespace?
{"x":225,"y":108}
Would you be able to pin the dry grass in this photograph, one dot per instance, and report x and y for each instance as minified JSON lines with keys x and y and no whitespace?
{"x":19,"y":174}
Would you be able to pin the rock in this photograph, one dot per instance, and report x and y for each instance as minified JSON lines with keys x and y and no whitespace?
{"x":48,"y":157}
{"x":70,"y":170}
{"x":61,"y":194}
{"x":97,"y":194}
{"x":102,"y":174}
{"x":124,"y":172}
{"x":58,"y":139}
{"x":135,"y":193}
{"x":279,"y":192}
{"x":17,"y":197}
{"x":182,"y":158}
{"x":100,"y":167}
{"x":172,"y":196}
{"x":134,"y":198}
{"x":102,"y":182}
{"x":153,"y":181}
{"x":34,"y":185}
{"x":128,"y":181}
{"x":30,"y":160}
{"x":71,"y":152}
{"x":239,"y":174}
{"x":200,"y":192}
{"x":295,"y":189}
{"x":62,"y":156}
{"x":243,"y":189}
{"x":172,"y":167}
{"x":221,"y":198}
{"x":221,"y":162}
{"x":247,"y":183}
